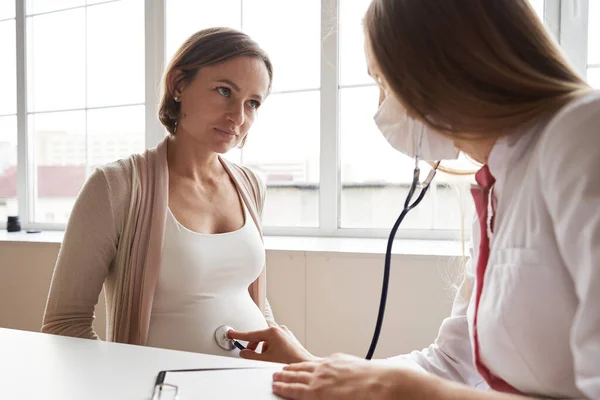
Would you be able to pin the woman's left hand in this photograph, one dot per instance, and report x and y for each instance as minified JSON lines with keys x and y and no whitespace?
{"x":344,"y":377}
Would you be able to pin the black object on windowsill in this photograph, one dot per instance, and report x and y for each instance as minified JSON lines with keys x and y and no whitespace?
{"x":13,"y":224}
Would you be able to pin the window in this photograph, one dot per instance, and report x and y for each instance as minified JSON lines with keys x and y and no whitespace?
{"x":538,"y":6}
{"x":85,"y":87}
{"x":593,"y":39}
{"x":372,"y":172}
{"x":8,"y":112}
{"x":77,"y":95}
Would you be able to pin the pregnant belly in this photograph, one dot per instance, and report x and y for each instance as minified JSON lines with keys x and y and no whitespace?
{"x":191,"y":327}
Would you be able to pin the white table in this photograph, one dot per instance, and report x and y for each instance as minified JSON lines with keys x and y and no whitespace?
{"x":40,"y":366}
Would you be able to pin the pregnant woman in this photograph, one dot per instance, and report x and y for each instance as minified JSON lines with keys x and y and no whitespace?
{"x":174,"y":234}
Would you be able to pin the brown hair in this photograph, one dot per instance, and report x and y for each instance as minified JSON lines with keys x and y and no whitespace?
{"x":206,"y":47}
{"x":470,"y":69}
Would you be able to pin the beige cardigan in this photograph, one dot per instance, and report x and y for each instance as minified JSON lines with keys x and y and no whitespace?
{"x":114,"y":238}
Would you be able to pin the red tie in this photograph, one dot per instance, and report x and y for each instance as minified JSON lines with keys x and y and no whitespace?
{"x":481,"y":196}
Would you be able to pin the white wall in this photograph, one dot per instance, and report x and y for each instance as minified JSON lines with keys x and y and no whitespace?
{"x":329,"y":300}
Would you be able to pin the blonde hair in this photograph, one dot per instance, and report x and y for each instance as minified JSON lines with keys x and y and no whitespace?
{"x":470,"y":69}
{"x":206,"y":47}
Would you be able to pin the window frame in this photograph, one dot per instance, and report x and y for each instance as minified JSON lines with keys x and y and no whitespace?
{"x":566,"y":19}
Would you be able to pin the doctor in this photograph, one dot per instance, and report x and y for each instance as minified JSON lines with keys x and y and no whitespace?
{"x":484,"y":77}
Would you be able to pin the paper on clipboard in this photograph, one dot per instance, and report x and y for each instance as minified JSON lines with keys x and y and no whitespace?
{"x":244,"y":383}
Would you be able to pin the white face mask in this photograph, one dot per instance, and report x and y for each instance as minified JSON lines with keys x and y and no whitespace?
{"x":403,"y":132}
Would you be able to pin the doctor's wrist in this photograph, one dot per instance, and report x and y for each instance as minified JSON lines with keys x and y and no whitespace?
{"x":403,"y":382}
{"x":308,"y":357}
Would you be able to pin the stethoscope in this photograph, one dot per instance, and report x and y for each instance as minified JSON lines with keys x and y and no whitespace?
{"x":409,"y":204}
{"x":223,"y":341}
{"x":228,"y":344}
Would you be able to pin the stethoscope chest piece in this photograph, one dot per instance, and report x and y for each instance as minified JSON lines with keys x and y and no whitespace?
{"x":221,"y":337}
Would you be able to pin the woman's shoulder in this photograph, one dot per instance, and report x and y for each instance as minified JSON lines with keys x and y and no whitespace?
{"x":569,"y":151}
{"x":576,"y":124}
{"x":256,"y":177}
{"x":119,"y":173}
{"x":248,"y":181}
{"x":247,"y":176}
{"x":116,"y":174}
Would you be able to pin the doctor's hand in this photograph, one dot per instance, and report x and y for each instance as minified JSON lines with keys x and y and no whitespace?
{"x":278,"y":345}
{"x":348,"y":377}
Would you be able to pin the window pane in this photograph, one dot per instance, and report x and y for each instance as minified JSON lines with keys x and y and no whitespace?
{"x":114,"y":133}
{"x":60,"y":159}
{"x":56,"y":60}
{"x":283,"y":146}
{"x":453,"y":201}
{"x":8,"y":68}
{"x":184,"y":17}
{"x":375,"y":177}
{"x":116,"y":55}
{"x":8,"y":167}
{"x":42,"y":6}
{"x":538,"y":6}
{"x":353,"y":66}
{"x":7,"y":9}
{"x":594,"y":33}
{"x":290,"y":32}
{"x":593,"y":77}
{"x":234,"y":155}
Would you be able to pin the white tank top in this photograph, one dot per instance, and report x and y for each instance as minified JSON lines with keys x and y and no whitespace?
{"x":203,"y":283}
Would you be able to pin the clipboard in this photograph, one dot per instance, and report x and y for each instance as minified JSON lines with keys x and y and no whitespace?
{"x":214,"y":383}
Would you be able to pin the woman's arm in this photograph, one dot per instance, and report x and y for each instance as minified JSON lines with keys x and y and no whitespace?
{"x":87,"y":251}
{"x":347,"y":377}
{"x":451,"y":355}
{"x":570,"y":178}
{"x":420,"y":386}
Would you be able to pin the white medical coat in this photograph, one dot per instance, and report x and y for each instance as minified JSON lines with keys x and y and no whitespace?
{"x":539,"y":314}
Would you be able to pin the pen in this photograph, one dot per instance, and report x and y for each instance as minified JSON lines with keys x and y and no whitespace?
{"x":238,"y":344}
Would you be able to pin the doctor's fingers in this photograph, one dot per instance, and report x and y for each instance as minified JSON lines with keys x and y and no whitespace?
{"x":307,"y":366}
{"x":293,"y":377}
{"x":291,"y":391}
{"x":253,"y":345}
{"x":254,"y":336}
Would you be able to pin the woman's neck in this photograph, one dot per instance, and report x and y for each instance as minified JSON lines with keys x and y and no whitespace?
{"x":187,"y":159}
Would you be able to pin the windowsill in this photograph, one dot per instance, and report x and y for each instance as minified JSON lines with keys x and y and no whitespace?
{"x":24,"y":237}
{"x":423,"y":247}
{"x":417,"y":247}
